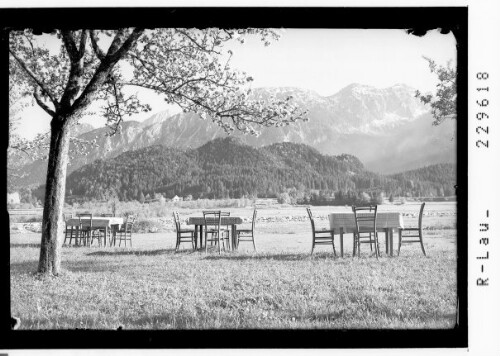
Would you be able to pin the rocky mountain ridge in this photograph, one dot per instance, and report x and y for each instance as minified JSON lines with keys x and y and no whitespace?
{"x":388,"y":129}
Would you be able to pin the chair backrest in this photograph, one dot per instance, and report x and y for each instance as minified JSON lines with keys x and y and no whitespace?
{"x":87,"y":219}
{"x":254,"y":218}
{"x":420,"y":215}
{"x":365,"y":218}
{"x":129,"y":223}
{"x":177,"y":221}
{"x":310,"y":217}
{"x":67,"y":216}
{"x":212,"y":218}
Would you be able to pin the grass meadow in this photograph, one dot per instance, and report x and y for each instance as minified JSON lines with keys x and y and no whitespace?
{"x":281,"y":286}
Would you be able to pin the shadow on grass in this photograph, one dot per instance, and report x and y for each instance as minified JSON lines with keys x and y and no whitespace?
{"x":24,"y":245}
{"x":136,"y":252}
{"x":277,"y":256}
{"x":24,"y":267}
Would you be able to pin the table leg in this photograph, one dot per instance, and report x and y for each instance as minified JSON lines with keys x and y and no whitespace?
{"x":386,"y":241}
{"x":196,"y":237}
{"x":112,"y":234}
{"x":105,"y":235}
{"x":233,"y":238}
{"x":78,"y":239}
{"x":341,"y":242}
{"x":391,"y":238}
{"x":354,"y":244}
{"x":201,"y":236}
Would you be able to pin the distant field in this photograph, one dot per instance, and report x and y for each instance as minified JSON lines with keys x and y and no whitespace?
{"x":281,"y":286}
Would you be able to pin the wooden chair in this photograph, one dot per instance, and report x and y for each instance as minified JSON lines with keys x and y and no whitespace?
{"x":226,"y":227}
{"x":125,"y":232}
{"x":247,"y":234}
{"x":414,"y":232}
{"x":71,"y":230}
{"x":365,"y":218}
{"x":183,"y":234}
{"x":212,"y":220}
{"x":103,"y":230}
{"x":321,"y":236}
{"x":87,"y":231}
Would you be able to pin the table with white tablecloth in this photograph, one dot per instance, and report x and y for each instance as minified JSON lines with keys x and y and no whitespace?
{"x":109,"y":224}
{"x":199,"y":222}
{"x":386,"y":222}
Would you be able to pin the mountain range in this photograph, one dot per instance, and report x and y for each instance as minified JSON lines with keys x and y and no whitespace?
{"x":389,"y":130}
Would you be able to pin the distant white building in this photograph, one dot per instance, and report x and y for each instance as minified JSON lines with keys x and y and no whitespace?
{"x":176,"y":198}
{"x":13,"y":198}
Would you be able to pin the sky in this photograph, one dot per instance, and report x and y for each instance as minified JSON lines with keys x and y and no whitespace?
{"x":322,"y":60}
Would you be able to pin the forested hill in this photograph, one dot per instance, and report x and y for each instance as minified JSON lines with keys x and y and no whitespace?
{"x":225,"y":168}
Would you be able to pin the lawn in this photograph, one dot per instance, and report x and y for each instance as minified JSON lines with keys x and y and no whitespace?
{"x":281,"y":286}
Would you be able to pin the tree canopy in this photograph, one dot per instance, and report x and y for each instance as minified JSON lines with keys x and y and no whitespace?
{"x":188,"y":67}
{"x":444,"y":103}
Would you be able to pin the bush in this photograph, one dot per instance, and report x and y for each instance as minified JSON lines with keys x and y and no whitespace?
{"x":156,"y":209}
{"x":145,"y":226}
{"x":365,"y":198}
{"x":284,"y":198}
{"x":378,"y":199}
{"x":25,"y":218}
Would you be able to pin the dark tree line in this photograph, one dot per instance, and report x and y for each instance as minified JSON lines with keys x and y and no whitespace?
{"x":224,"y":168}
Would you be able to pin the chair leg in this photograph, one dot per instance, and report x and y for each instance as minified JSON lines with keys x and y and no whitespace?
{"x":333,"y":244}
{"x":377,"y":246}
{"x":253,"y":242}
{"x":422,"y":242}
{"x":312,"y":249}
{"x":400,"y":240}
{"x":354,"y":244}
{"x":359,"y":247}
{"x":130,"y":237}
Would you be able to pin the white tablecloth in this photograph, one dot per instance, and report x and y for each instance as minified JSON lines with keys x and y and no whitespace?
{"x":97,"y":221}
{"x":346,"y":221}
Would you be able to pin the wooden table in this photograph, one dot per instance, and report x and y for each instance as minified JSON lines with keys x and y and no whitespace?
{"x":386,"y":222}
{"x":111,"y":223}
{"x":199,"y":222}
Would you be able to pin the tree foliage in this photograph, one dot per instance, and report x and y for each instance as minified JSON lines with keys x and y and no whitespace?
{"x":444,"y":103}
{"x":188,"y":67}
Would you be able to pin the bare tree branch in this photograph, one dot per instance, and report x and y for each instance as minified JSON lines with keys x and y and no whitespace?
{"x":40,"y":103}
{"x":116,"y":43}
{"x":69,"y":44}
{"x":83,"y":41}
{"x":117,"y":105}
{"x":200,"y":47}
{"x":98,"y":52}
{"x":101,"y":74}
{"x":127,"y":44}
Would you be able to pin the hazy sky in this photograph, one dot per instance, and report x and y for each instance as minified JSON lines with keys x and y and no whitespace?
{"x":323,"y":60}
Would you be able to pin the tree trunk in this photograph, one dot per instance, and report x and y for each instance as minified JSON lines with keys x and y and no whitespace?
{"x":53,"y":223}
